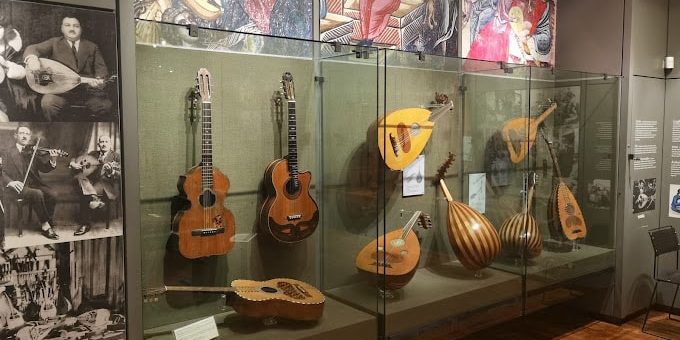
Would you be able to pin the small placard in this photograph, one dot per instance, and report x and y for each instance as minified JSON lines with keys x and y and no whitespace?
{"x":205,"y":329}
{"x":641,"y":216}
{"x":477,"y":192}
{"x":414,"y":178}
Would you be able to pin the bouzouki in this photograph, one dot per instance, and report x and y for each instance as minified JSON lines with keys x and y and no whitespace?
{"x":289,"y":214}
{"x":403,"y":134}
{"x":284,"y":298}
{"x":472,"y":236}
{"x":395,"y":254}
{"x":564,"y":212}
{"x":520,"y":134}
{"x":520,"y":235}
{"x":206,"y":228}
{"x":54,"y":77}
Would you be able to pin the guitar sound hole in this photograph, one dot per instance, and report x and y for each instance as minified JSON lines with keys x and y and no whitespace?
{"x":207,"y":199}
{"x":291,"y":188}
{"x":268,"y":290}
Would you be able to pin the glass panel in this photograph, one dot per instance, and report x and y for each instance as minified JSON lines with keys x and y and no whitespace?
{"x":250,"y":126}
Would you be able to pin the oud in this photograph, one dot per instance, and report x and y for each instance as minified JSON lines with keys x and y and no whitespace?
{"x":564,"y":213}
{"x":284,"y":298}
{"x":520,"y":235}
{"x":395,"y":254}
{"x":403,"y":134}
{"x":54,"y":77}
{"x":289,"y":214}
{"x":206,"y":228}
{"x":519,"y":134}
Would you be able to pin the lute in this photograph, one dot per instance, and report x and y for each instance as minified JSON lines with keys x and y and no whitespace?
{"x":520,"y":235}
{"x":54,"y":77}
{"x":206,"y":228}
{"x":284,"y":298}
{"x":519,"y":134}
{"x":395,"y":254}
{"x":289,"y":214}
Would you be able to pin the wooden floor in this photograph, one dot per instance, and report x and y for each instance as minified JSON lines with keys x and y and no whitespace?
{"x":559,"y":322}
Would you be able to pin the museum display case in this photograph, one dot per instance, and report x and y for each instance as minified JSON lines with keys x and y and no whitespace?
{"x":419,"y":190}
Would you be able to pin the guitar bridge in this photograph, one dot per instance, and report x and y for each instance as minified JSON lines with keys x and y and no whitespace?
{"x":294,"y":217}
{"x":395,"y":145}
{"x":207,"y":232}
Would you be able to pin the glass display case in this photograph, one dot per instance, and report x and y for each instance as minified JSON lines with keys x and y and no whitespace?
{"x":431,"y":205}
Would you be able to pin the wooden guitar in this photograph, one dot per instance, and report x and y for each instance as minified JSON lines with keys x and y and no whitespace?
{"x":403,"y":134}
{"x":472,"y":236}
{"x":520,"y":134}
{"x":520,"y":235}
{"x":54,"y":77}
{"x":289,"y":214}
{"x":284,"y":298}
{"x":395,"y":254}
{"x":563,"y":209}
{"x":206,"y":228}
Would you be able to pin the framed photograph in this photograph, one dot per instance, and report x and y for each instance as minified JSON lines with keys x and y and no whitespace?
{"x":644,"y":195}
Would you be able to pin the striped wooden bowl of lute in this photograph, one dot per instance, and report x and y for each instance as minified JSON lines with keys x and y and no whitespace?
{"x":520,"y":235}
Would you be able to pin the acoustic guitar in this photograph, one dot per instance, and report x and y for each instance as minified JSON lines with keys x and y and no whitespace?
{"x":520,"y":235}
{"x":206,"y":9}
{"x":206,"y":228}
{"x":289,"y":214}
{"x":395,"y":254}
{"x":564,"y":212}
{"x":403,"y":134}
{"x":54,"y":77}
{"x":283,"y":298}
{"x":472,"y":236}
{"x":519,"y":134}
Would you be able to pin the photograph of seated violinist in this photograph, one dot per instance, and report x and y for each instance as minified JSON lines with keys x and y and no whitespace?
{"x":68,"y":64}
{"x":40,"y":164}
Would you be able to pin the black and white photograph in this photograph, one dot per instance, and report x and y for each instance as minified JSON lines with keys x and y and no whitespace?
{"x":599,"y":193}
{"x":61,"y":181}
{"x":644,"y":195}
{"x":57,"y":63}
{"x":63,"y":291}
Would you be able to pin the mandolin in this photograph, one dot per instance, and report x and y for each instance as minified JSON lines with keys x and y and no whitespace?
{"x":284,"y":298}
{"x":520,"y":134}
{"x":564,"y":212}
{"x":289,"y":214}
{"x":403,"y":134}
{"x":206,"y":228}
{"x":54,"y":77}
{"x":395,"y":254}
{"x":520,"y":235}
{"x":472,"y":236}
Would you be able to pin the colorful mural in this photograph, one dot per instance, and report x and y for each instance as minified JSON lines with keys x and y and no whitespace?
{"x":513,"y":31}
{"x":410,"y":25}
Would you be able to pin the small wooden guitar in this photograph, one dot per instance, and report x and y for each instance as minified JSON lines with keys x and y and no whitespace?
{"x":284,"y":298}
{"x":403,"y":134}
{"x":520,"y":134}
{"x":54,"y":77}
{"x":520,"y":235}
{"x":563,"y":209}
{"x":395,"y":254}
{"x":472,"y":236}
{"x":206,"y":228}
{"x":289,"y":214}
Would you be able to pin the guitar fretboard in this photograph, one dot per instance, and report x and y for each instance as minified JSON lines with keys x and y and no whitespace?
{"x":292,"y":143}
{"x":206,"y":147}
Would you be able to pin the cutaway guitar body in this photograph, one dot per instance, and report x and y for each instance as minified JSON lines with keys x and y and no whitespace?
{"x":288,"y":214}
{"x":397,"y":260}
{"x":207,"y":227}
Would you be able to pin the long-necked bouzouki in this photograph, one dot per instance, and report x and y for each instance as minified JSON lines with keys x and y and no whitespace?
{"x":520,"y":134}
{"x":54,"y":77}
{"x":284,"y":298}
{"x":289,"y":213}
{"x":472,"y":236}
{"x":395,"y":254}
{"x":206,"y":228}
{"x":520,"y":231}
{"x":564,"y":212}
{"x":403,"y":134}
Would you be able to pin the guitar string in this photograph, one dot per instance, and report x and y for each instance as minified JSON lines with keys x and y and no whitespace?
{"x":434,"y":116}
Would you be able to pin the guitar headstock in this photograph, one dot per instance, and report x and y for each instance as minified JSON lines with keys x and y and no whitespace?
{"x":203,"y":84}
{"x":288,"y":86}
{"x":425,"y":221}
{"x":152,"y":294}
{"x":441,"y":172}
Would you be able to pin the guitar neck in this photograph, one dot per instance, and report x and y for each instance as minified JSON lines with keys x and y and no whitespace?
{"x":200,"y":289}
{"x":292,"y":142}
{"x":206,"y":147}
{"x":440,"y":111}
{"x":553,"y":156}
{"x":538,"y":120}
{"x":409,"y":226}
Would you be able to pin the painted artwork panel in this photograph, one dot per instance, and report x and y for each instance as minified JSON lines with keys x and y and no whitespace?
{"x":410,"y":25}
{"x":512,"y":31}
{"x":674,"y":199}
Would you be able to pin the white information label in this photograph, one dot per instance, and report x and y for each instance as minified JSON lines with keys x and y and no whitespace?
{"x":477,"y":192}
{"x":645,"y":129}
{"x":205,"y":329}
{"x":413,"y":178}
